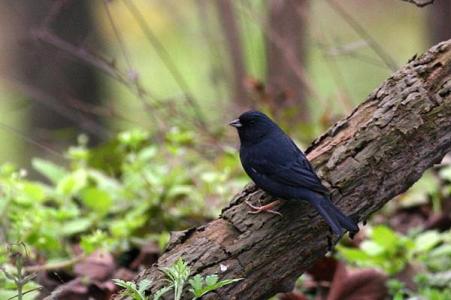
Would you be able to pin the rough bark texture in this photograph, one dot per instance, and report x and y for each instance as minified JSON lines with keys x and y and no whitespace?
{"x":377,"y":152}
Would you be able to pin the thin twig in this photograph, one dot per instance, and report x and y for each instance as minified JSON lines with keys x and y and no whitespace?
{"x":253,"y":57}
{"x":298,"y":70}
{"x":377,"y":48}
{"x":54,"y":11}
{"x":352,"y":53}
{"x":119,"y":38}
{"x":337,"y":76}
{"x":102,"y":64}
{"x":100,"y":110}
{"x":31,"y":140}
{"x":213,"y":49}
{"x":166,"y":58}
{"x":41,"y":97}
{"x":55,"y":266}
{"x":133,"y":74}
{"x":421,"y":3}
{"x":27,"y":292}
{"x":105,"y":66}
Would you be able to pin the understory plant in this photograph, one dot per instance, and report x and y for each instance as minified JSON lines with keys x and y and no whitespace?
{"x":178,"y":277}
{"x":428,"y":253}
{"x":115,"y":197}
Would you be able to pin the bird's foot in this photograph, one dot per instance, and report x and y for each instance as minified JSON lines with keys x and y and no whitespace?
{"x":265,"y":208}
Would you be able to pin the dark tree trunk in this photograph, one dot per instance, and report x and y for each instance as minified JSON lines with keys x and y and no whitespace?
{"x":439,"y":21}
{"x":366,"y":159}
{"x":62,"y":92}
{"x":285,"y":48}
{"x":231,"y":31}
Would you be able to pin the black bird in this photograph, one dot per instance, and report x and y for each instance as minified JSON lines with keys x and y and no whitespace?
{"x":280,"y":168}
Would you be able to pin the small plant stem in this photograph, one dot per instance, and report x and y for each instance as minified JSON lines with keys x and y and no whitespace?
{"x":55,"y":266}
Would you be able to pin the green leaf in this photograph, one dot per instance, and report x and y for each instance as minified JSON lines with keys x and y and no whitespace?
{"x":162,"y":291}
{"x":353,"y":255}
{"x":445,"y":173}
{"x":97,"y":200}
{"x":72,"y":183}
{"x":426,"y":241}
{"x":30,"y":193}
{"x":147,"y":153}
{"x":133,"y":138}
{"x":417,"y":194}
{"x":211,"y":280}
{"x":130,"y":289}
{"x":371,"y":248}
{"x":144,"y":285}
{"x":179,"y":190}
{"x":443,"y":250}
{"x":196,"y":284}
{"x":76,"y":226}
{"x":200,"y":286}
{"x":50,"y":170}
{"x":385,"y":237}
{"x":78,"y":154}
{"x":122,"y":283}
{"x":34,"y":191}
{"x":224,"y":282}
{"x":92,"y":242}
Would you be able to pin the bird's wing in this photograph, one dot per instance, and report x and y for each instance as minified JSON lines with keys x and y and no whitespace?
{"x":290,"y":168}
{"x":297,"y":173}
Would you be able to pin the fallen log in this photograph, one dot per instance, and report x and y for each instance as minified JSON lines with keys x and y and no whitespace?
{"x":366,"y":159}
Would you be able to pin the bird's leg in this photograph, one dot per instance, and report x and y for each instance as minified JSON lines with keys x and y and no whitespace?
{"x":329,"y":243}
{"x":268,"y":207}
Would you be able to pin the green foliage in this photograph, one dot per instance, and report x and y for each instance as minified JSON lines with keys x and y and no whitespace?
{"x":420,"y":192}
{"x":178,"y":275}
{"x":14,"y":282}
{"x":108,"y":202}
{"x":136,"y":292}
{"x":397,"y":289}
{"x":385,"y":249}
{"x":429,"y":286}
{"x":201,"y":286}
{"x":391,"y":252}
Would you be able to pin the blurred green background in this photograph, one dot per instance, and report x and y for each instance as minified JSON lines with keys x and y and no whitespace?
{"x":339,"y":63}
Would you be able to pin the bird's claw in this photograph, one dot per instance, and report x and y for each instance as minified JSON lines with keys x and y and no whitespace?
{"x":264,"y":208}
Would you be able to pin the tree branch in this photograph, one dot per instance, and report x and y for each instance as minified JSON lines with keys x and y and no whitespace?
{"x":374,"y":154}
{"x":420,"y":3}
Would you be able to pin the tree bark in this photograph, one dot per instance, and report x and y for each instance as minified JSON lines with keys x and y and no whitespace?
{"x":374,"y":154}
{"x":231,"y":31}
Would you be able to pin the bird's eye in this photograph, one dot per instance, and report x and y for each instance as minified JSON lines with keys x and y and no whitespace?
{"x":252,"y":122}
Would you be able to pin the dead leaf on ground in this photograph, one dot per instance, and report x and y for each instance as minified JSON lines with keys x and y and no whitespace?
{"x":362,"y":284}
{"x":98,"y":266}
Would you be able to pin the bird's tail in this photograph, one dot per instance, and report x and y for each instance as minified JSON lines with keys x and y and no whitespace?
{"x":333,"y":216}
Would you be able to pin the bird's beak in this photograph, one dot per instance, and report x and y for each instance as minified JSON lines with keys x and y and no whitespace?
{"x":236,"y":123}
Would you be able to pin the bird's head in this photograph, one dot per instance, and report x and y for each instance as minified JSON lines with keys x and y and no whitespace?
{"x":252,"y":126}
